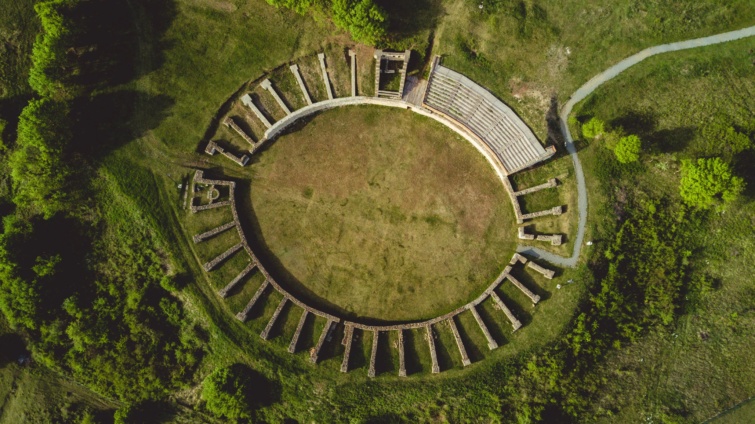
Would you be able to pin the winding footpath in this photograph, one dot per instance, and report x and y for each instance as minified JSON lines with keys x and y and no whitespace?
{"x":585,"y":91}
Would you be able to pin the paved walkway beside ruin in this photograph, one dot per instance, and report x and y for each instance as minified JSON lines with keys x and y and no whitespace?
{"x":585,"y":91}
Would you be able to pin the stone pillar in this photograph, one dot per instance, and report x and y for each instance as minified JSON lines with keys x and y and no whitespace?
{"x":556,"y":210}
{"x":295,"y":339}
{"x":295,"y":70}
{"x":433,"y":353}
{"x":328,"y":88}
{"x":267,"y":85}
{"x":401,"y":354}
{"x":373,"y":356}
{"x":514,"y":322}
{"x":347,"y":337}
{"x":547,"y":273}
{"x":492,"y":344}
{"x":550,"y":184}
{"x":533,"y":297}
{"x":247,"y":101}
{"x":243,"y":314}
{"x":315,"y":352}
{"x":266,"y":332}
{"x":459,"y":343}
{"x":353,"y":57}
{"x":378,"y":58}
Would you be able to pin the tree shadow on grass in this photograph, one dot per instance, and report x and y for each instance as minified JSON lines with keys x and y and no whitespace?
{"x":117,"y":41}
{"x":263,"y":391}
{"x":14,"y":348}
{"x":409,"y":18}
{"x":109,"y":120}
{"x":743,"y":167}
{"x":671,"y":140}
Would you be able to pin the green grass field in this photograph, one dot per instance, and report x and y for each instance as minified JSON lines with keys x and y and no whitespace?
{"x":367,"y":208}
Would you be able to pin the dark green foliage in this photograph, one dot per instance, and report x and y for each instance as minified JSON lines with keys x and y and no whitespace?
{"x":642,"y":287}
{"x":365,"y":20}
{"x":227,"y":392}
{"x":628,"y":149}
{"x":87,"y":286}
{"x":49,"y":62}
{"x":38,"y":168}
{"x":709,"y":182}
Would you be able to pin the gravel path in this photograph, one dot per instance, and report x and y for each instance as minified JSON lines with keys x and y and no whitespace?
{"x":585,"y":91}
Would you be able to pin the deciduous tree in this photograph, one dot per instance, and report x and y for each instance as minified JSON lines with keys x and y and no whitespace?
{"x":709,"y":182}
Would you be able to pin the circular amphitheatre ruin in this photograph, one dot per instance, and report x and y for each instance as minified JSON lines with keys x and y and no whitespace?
{"x":447,"y":97}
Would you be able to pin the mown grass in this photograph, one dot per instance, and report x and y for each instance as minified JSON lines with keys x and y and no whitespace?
{"x":697,"y":367}
{"x":369,"y":208}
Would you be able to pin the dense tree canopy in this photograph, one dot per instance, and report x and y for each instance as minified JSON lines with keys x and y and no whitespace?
{"x":37,"y":165}
{"x":709,"y":182}
{"x":365,"y":20}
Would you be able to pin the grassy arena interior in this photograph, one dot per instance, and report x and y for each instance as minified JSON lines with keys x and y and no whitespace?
{"x":380,"y":213}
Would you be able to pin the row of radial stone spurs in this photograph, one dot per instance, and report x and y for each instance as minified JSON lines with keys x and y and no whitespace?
{"x":331,"y":320}
{"x":214,"y":147}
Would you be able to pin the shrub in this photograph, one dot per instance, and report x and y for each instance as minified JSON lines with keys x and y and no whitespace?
{"x":227,"y":393}
{"x":365,"y":20}
{"x":37,"y":167}
{"x":709,"y":182}
{"x":720,"y":138}
{"x":628,"y":148}
{"x":593,"y":128}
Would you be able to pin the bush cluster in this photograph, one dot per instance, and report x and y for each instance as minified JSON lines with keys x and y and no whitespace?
{"x":363,"y":19}
{"x":89,"y":306}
